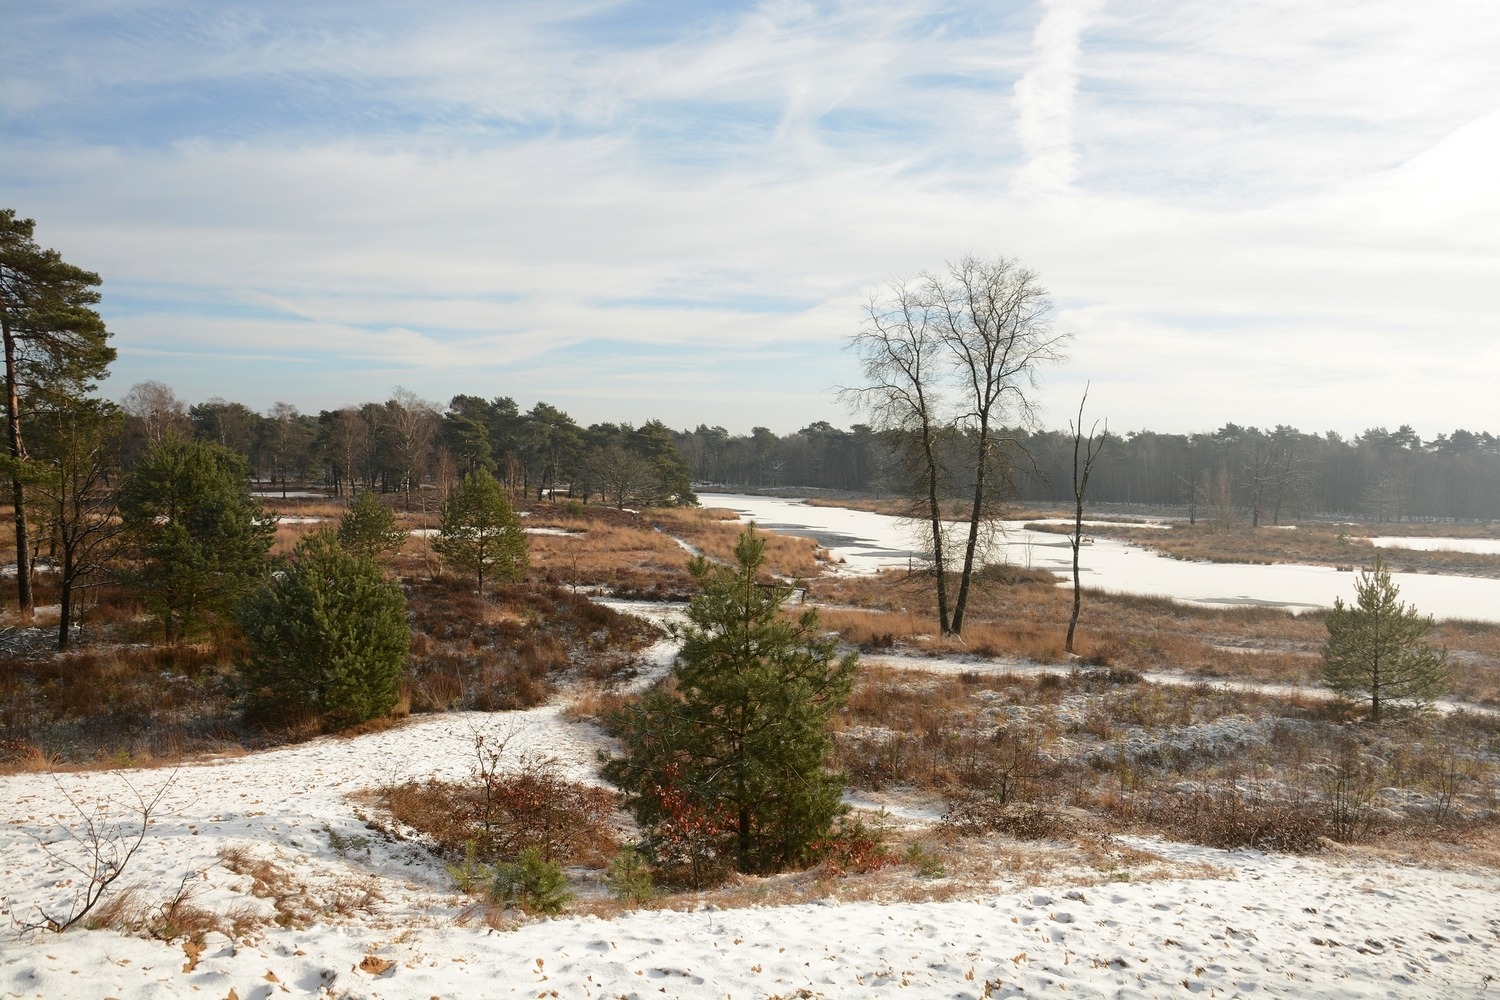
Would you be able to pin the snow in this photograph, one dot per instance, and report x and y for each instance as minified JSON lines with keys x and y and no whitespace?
{"x":862,"y":542}
{"x":1478,"y":546}
{"x":376,"y":916}
{"x":1068,"y":523}
{"x":557,"y":532}
{"x":1235,"y":923}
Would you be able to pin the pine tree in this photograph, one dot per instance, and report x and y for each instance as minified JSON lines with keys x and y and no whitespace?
{"x":198,"y":538}
{"x":480,"y":533}
{"x":1375,"y":650}
{"x":54,"y":344}
{"x":744,"y":735}
{"x":328,"y":635}
{"x":368,"y":528}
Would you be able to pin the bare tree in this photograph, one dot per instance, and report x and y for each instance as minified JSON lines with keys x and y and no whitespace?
{"x":625,"y":477}
{"x":156,"y":411}
{"x":1085,"y":451}
{"x":97,"y":849}
{"x":992,"y":318}
{"x":347,"y":437}
{"x":951,"y":359}
{"x":282,"y":432}
{"x":898,"y":349}
{"x":412,"y":425}
{"x":79,"y":501}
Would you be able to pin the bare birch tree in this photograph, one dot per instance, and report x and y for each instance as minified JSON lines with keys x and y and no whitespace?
{"x":156,"y":412}
{"x":898,"y":350}
{"x":952,"y":359}
{"x":412,"y":425}
{"x":992,"y":318}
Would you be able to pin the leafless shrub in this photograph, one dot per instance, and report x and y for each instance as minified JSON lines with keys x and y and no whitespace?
{"x":97,"y":848}
{"x":1348,"y":780}
{"x":512,"y":802}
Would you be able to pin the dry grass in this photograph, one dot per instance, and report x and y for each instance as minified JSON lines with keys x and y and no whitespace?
{"x":647,"y":554}
{"x":1054,"y":754}
{"x":291,"y":904}
{"x":594,"y":703}
{"x":1027,"y":620}
{"x":116,"y":706}
{"x":625,"y":559}
{"x":714,"y":532}
{"x":509,"y":649}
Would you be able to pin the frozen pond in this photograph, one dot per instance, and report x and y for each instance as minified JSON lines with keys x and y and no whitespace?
{"x":1479,"y":546}
{"x":862,"y":542}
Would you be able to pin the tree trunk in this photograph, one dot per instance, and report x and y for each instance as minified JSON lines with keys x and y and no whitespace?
{"x":65,"y":601}
{"x":935,"y":510}
{"x":972,"y":545}
{"x":1084,"y":454}
{"x":24,"y":599}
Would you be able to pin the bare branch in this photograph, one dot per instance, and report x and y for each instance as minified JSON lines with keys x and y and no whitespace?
{"x":106,"y":844}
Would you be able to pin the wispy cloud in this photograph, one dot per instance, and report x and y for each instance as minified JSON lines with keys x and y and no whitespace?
{"x":525,"y":194}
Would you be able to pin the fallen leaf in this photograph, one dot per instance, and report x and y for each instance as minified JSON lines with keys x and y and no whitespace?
{"x":375,"y":965}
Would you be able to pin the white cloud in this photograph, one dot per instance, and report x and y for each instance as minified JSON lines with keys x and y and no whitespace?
{"x":1227,"y":200}
{"x":1044,"y":96}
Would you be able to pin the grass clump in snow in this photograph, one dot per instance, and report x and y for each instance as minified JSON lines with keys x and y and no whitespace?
{"x":511,"y":826}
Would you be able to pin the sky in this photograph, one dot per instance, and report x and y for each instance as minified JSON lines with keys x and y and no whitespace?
{"x":1261,"y":213}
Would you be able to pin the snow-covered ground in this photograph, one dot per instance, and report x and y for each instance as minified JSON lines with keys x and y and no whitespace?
{"x":384,"y":922}
{"x":364,"y":914}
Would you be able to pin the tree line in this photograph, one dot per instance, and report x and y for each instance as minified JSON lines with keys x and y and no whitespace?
{"x":1242,"y":472}
{"x":1256,"y":475}
{"x":398,"y":445}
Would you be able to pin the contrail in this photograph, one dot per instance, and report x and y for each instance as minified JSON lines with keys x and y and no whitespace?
{"x":1044,"y":96}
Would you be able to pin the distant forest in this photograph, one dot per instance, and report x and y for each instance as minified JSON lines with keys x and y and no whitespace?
{"x":1263,"y":476}
{"x":1266,"y":477}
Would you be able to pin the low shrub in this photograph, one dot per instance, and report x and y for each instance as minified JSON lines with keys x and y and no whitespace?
{"x":853,"y":847}
{"x":531,"y":884}
{"x":1226,"y":819}
{"x":972,"y":813}
{"x":512,"y":803}
{"x":629,"y":878}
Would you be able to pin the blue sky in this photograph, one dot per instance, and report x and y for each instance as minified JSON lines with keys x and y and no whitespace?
{"x":1267,"y":212}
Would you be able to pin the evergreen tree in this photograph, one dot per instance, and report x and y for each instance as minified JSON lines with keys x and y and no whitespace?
{"x":368,"y":528}
{"x":54,"y":344}
{"x":654,"y":442}
{"x":199,"y":539}
{"x":1375,"y":650}
{"x":328,"y":635}
{"x":745,"y":732}
{"x":481,"y":533}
